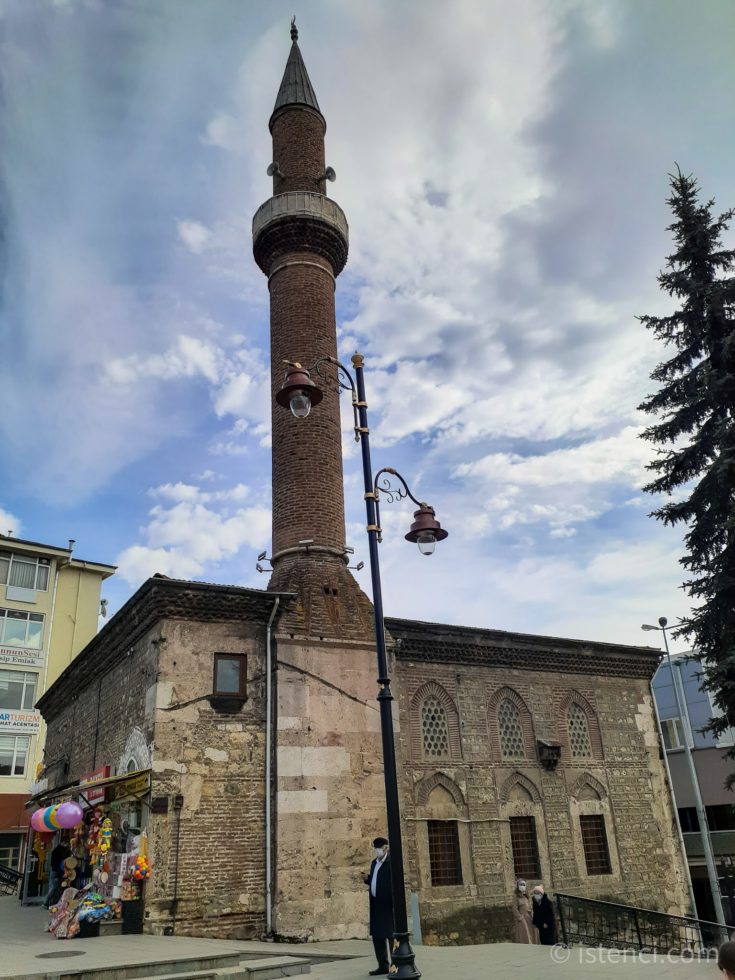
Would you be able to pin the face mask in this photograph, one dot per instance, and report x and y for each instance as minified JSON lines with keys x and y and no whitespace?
{"x":537,"y":898}
{"x":522,"y":889}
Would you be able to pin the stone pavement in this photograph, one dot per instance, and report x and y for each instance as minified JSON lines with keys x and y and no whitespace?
{"x":23,"y":944}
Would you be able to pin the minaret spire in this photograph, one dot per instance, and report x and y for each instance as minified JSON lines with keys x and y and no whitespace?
{"x":300,"y":241}
{"x":296,"y":88}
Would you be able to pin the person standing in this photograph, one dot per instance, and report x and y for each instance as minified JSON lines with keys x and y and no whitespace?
{"x":524,"y":930}
{"x":543,"y":916}
{"x":381,"y":906}
{"x":56,"y":873}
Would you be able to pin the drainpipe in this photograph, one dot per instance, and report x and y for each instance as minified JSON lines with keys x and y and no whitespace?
{"x":268,"y":749}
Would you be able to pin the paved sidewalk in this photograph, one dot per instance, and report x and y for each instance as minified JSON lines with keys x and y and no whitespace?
{"x":23,"y":941}
{"x":508,"y":961}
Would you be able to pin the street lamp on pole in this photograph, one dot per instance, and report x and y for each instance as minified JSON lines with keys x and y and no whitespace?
{"x":299,"y":394}
{"x":663,"y":625}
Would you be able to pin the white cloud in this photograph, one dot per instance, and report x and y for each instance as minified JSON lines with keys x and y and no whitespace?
{"x":222,"y":131}
{"x":195,"y":533}
{"x":188,"y":358}
{"x":560,"y":488}
{"x":194,"y":235}
{"x":10,"y":523}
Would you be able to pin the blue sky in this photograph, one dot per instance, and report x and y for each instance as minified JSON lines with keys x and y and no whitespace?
{"x":503,"y":169}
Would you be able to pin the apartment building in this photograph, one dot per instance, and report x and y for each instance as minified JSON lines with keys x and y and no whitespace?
{"x":49,"y":609}
{"x":712,"y":768}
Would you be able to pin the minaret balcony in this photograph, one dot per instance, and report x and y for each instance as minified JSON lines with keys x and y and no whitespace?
{"x":300,"y":221}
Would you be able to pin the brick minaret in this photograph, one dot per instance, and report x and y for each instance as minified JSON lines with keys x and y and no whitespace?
{"x":328,"y":795}
{"x":300,"y":242}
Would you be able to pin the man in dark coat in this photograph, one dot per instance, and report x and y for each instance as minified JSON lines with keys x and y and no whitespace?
{"x":56,"y":873}
{"x":543,"y":916}
{"x":381,"y":906}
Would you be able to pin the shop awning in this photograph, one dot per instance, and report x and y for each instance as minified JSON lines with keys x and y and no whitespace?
{"x":129,"y":784}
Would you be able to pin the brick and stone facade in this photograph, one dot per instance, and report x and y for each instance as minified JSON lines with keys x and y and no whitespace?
{"x":471,"y":672}
{"x":491,"y":727}
{"x":141,"y":694}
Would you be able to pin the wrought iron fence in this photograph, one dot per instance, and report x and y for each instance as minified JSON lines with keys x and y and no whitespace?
{"x":588,"y":922}
{"x":9,"y":879}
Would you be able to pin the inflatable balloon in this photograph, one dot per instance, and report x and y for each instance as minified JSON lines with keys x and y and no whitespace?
{"x":68,"y":814}
{"x":49,"y":817}
{"x":37,"y":822}
{"x":63,"y":816}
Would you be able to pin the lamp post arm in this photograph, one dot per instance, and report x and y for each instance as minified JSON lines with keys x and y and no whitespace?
{"x":345,"y":381}
{"x":403,"y":956}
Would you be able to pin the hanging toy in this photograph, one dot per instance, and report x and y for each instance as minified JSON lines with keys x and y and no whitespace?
{"x":142,"y":868}
{"x":93,"y":836}
{"x":105,"y":836}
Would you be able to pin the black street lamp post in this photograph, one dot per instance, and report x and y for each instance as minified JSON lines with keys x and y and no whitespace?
{"x":299,"y":393}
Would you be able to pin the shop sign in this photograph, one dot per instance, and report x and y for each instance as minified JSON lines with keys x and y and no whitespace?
{"x":138,"y":784}
{"x":19,"y":721}
{"x":17,"y":657}
{"x":95,"y":796}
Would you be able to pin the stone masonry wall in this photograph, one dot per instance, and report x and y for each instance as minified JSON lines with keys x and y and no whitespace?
{"x":213,"y":758}
{"x":330,"y":790}
{"x":626,"y":784}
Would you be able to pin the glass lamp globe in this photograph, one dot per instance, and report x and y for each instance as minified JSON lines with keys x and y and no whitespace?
{"x":300,"y":404}
{"x":426,"y":542}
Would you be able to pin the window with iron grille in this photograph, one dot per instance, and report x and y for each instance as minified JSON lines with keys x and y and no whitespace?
{"x":579,"y":732}
{"x":444,"y":859}
{"x":594,"y":841}
{"x":434,"y":728}
{"x":510,"y":731}
{"x":524,"y":842}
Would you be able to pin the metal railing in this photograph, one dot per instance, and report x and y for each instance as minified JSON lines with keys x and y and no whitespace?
{"x":588,"y":922}
{"x":9,"y":879}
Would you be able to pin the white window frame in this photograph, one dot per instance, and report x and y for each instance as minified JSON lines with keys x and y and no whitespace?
{"x":16,"y":739}
{"x":29,"y":617}
{"x":10,"y":855}
{"x":29,"y":682}
{"x":673,"y":727}
{"x":11,"y":556}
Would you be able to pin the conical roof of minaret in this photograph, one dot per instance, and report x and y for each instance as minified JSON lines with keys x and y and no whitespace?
{"x":296,"y":88}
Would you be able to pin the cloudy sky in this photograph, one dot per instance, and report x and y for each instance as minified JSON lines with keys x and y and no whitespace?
{"x":503,"y":168}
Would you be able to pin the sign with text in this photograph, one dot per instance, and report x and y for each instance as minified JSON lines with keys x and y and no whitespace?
{"x":17,"y":657}
{"x":26,"y":722}
{"x":138,"y":784}
{"x":96,"y":795}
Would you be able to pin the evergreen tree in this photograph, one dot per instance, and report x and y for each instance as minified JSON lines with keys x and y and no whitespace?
{"x":695,"y":430}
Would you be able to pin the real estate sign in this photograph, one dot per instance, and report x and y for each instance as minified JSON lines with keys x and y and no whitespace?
{"x":17,"y":657}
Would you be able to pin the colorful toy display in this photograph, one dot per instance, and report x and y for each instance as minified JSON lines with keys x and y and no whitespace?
{"x":63,"y":816}
{"x":142,"y":868}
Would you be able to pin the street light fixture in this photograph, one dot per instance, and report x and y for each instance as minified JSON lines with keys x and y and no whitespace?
{"x":681,"y":708}
{"x":299,"y":393}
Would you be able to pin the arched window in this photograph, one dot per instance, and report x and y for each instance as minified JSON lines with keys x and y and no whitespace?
{"x":434,"y":724}
{"x":434,"y":728}
{"x":510,"y":730}
{"x":580,"y":742}
{"x":579,"y":728}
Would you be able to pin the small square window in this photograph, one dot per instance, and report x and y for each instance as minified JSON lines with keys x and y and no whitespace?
{"x":230,"y":675}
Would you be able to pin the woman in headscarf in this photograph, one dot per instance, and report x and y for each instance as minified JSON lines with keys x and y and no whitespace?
{"x":524,"y":930}
{"x":543,"y":916}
